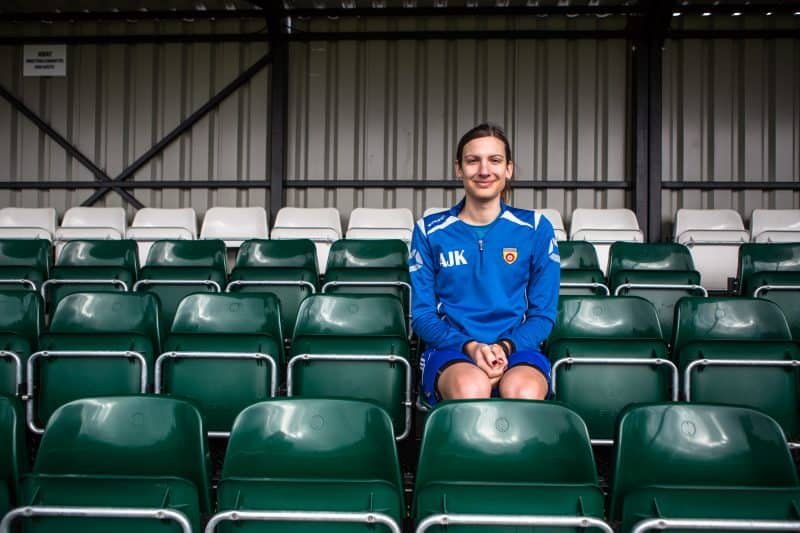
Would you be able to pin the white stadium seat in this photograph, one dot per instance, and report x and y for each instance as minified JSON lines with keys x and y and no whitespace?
{"x":432,"y":210}
{"x":153,"y":224}
{"x":27,"y":223}
{"x":713,"y":237}
{"x":80,"y":223}
{"x":554,"y":216}
{"x":234,"y":225}
{"x":775,"y":225}
{"x":323,"y":225}
{"x":368,"y":223}
{"x":604,"y":227}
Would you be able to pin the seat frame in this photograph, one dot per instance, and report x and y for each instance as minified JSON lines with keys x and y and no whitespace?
{"x":687,"y":373}
{"x":512,"y":520}
{"x":273,"y":386}
{"x":95,"y":512}
{"x":207,"y":282}
{"x":5,"y":354}
{"x":594,"y":286}
{"x":662,"y":524}
{"x":407,"y":403}
{"x":638,"y":361}
{"x":302,"y":516}
{"x":30,"y":397}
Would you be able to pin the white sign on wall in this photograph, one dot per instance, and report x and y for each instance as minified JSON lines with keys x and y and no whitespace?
{"x":44,"y":60}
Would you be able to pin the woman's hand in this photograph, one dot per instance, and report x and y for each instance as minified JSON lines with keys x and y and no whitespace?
{"x":489,"y":357}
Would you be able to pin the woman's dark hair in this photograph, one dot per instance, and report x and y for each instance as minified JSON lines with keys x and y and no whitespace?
{"x":482,"y":130}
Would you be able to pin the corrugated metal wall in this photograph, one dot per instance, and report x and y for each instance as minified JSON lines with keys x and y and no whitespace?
{"x":394,"y":110}
{"x":731,"y":114}
{"x":118,"y":100}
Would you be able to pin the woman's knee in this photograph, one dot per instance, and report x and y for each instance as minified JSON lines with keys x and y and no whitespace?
{"x":461,"y":382}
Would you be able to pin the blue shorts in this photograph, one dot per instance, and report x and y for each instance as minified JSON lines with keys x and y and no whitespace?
{"x":434,"y":361}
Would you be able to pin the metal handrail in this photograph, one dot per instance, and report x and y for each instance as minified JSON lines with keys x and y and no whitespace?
{"x":302,"y":516}
{"x":407,"y":403}
{"x":670,"y":286}
{"x":511,"y":520}
{"x":206,"y":282}
{"x":591,"y":285}
{"x":273,"y":385}
{"x":762,"y":288}
{"x":17,"y":366}
{"x":95,"y":512}
{"x":30,"y":397}
{"x":288,"y":283}
{"x":28,"y":283}
{"x":106,"y":281}
{"x":707,"y":524}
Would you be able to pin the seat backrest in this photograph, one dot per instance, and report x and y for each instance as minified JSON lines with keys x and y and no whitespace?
{"x":196,"y":254}
{"x":96,"y":217}
{"x":505,"y":441}
{"x":554,"y":216}
{"x":28,"y":222}
{"x":228,"y":314}
{"x":349,"y":315}
{"x":649,"y":256}
{"x":369,"y":223}
{"x":602,"y":219}
{"x":767,"y":257}
{"x":316,"y":222}
{"x":109,"y":312}
{"x":29,"y":253}
{"x":367,"y":253}
{"x":768,"y":225}
{"x":180,"y":220}
{"x":577,"y":255}
{"x":13,"y":452}
{"x":290,"y":253}
{"x":434,"y":210}
{"x":707,"y":219}
{"x":606,"y":318}
{"x":235,"y":225}
{"x":729,"y":319}
{"x":127,"y":436}
{"x":22,"y":313}
{"x":100,"y":253}
{"x":695,"y":445}
{"x":313,"y":439}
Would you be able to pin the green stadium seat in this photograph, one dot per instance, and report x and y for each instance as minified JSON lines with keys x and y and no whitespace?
{"x":608,"y":352}
{"x":367,"y":266}
{"x":580,"y":271}
{"x":661,"y":273}
{"x":701,"y":462}
{"x":122,"y":463}
{"x":738,"y":350}
{"x":99,"y":343}
{"x":772,"y":271}
{"x":91,"y":266}
{"x":175,"y":269}
{"x":304,"y":465}
{"x":13,"y":452}
{"x":21,"y":322}
{"x":286,"y":268}
{"x":353,"y":346}
{"x":24,"y":263}
{"x":506,"y":462}
{"x":224,"y":352}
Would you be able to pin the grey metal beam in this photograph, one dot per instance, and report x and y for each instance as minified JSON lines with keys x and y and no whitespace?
{"x":184,"y":126}
{"x":70,"y":148}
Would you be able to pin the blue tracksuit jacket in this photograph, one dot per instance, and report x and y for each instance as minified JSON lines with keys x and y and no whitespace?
{"x":503,"y":286}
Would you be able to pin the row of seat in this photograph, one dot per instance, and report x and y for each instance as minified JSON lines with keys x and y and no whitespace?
{"x":140,"y":464}
{"x":226,"y":351}
{"x":175,"y":268}
{"x":234,"y":225}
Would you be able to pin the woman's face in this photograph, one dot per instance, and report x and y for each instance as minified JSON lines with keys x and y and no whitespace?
{"x":484,"y":168}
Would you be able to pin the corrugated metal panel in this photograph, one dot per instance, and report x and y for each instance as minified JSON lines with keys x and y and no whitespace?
{"x":119,"y":100}
{"x":731,"y":115}
{"x":395,"y":110}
